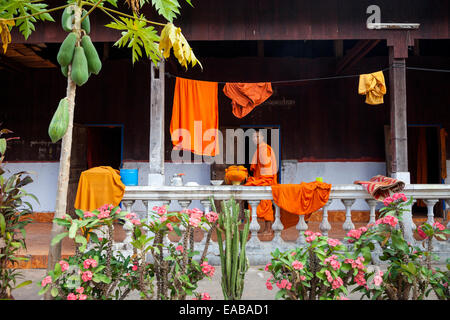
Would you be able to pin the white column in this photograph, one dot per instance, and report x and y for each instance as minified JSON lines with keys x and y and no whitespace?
{"x":277,"y":226}
{"x":372,"y":205}
{"x":301,"y":227}
{"x":128,"y":226}
{"x":324,"y":224}
{"x":430,"y":205}
{"x":348,"y":224}
{"x":254,"y":225}
{"x":156,"y":156}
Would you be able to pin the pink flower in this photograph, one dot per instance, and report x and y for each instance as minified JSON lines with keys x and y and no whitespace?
{"x":297,"y":265}
{"x":332,"y":260}
{"x":46,"y":280}
{"x":439,"y":226}
{"x":205,"y":296}
{"x":284,"y":284}
{"x":89,"y":263}
{"x":421,"y":233}
{"x":82,"y":297}
{"x":194,"y":221}
{"x":179,"y":248}
{"x":88,"y":214}
{"x":266,"y":268}
{"x":103,"y":214}
{"x":387,"y":201}
{"x":445,"y":284}
{"x":207,"y":269}
{"x":169,"y":226}
{"x":64,"y":265}
{"x":160,"y":210}
{"x":359,"y":278}
{"x":399,"y":196}
{"x":311,"y":238}
{"x":269,"y":284}
{"x":162,"y":219}
{"x":354,"y":234}
{"x":333,"y":242}
{"x":329,"y":277}
{"x":342,"y":298}
{"x":80,"y":290}
{"x":86,"y":276}
{"x":71,"y":296}
{"x":131,"y":215}
{"x":136,"y":222}
{"x":302,"y":278}
{"x":308,"y":233}
{"x":377,"y":280}
{"x":390,"y":220}
{"x":134,"y":267}
{"x":337,"y":283}
{"x":212,"y":216}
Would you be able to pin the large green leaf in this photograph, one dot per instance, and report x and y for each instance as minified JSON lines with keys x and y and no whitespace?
{"x":167,"y":8}
{"x":137,"y":36}
{"x":59,"y":237}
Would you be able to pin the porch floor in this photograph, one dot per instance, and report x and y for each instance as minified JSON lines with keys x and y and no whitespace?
{"x":38,"y":239}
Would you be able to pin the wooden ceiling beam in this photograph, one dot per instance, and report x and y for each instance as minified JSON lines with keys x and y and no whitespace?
{"x":355,"y":54}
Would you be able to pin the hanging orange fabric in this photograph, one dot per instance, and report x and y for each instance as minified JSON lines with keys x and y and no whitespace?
{"x":264,"y":168}
{"x":195,"y":117}
{"x":246,"y":96}
{"x":99,"y":186}
{"x":373,"y":86}
{"x":299,"y":199}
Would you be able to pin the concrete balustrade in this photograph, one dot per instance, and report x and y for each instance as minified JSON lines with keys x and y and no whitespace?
{"x":259,"y":251}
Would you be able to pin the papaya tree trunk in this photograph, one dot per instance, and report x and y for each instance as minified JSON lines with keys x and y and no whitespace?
{"x":54,"y":252}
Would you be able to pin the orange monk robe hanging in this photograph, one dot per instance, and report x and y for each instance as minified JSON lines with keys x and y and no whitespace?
{"x":246,"y":96}
{"x":373,"y":86}
{"x":264,"y":168}
{"x":299,"y":199}
{"x":99,"y":186}
{"x":195,"y":117}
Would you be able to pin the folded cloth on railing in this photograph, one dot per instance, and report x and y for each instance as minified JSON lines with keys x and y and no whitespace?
{"x":381,"y":187}
{"x":299,"y":199}
{"x":99,"y":186}
{"x":264,"y":209}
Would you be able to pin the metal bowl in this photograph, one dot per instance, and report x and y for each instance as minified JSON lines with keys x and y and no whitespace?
{"x":216,"y":182}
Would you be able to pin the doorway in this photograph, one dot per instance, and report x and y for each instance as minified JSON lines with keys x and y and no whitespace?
{"x":93,"y":145}
{"x":424,"y":161}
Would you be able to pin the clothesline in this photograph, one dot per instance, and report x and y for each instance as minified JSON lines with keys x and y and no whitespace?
{"x":169,"y":75}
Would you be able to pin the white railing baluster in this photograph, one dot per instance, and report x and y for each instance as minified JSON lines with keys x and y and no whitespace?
{"x":348,"y":224}
{"x":325,"y":224}
{"x":207,"y":205}
{"x":277,"y":226}
{"x":254,"y":225}
{"x":128,"y":226}
{"x":430,"y":205}
{"x":301,"y":227}
{"x":372,"y":203}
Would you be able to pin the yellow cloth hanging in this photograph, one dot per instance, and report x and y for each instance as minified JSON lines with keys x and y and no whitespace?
{"x":373,"y":86}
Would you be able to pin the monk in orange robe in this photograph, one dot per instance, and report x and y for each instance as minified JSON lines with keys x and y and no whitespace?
{"x":264,"y":169}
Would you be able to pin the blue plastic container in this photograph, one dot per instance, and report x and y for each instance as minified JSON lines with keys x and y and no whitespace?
{"x":129,"y":177}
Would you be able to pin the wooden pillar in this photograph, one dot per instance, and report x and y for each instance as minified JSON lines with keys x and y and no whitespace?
{"x":156,"y":157}
{"x":398,"y":115}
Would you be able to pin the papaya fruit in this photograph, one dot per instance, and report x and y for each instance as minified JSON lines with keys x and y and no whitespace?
{"x":85,"y":24}
{"x":64,"y":70}
{"x":66,"y":51}
{"x":60,"y":121}
{"x":93,"y":60}
{"x":67,"y":19}
{"x":80,"y":72}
